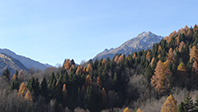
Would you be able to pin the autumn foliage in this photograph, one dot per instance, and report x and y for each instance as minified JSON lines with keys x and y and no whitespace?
{"x":14,"y":77}
{"x":139,"y":110}
{"x":161,"y":78}
{"x":67,"y":64}
{"x":89,"y":68}
{"x":22,"y":89}
{"x":28,"y":96}
{"x":126,"y":109}
{"x":88,"y":81}
{"x":170,"y":105}
{"x":194,"y":53}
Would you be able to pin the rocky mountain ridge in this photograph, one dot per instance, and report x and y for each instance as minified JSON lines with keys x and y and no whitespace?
{"x":144,"y":40}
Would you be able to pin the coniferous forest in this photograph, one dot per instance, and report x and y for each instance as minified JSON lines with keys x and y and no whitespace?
{"x":161,"y":79}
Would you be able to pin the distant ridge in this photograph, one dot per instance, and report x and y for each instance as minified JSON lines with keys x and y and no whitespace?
{"x":143,"y":41}
{"x":10,"y":63}
{"x":27,"y":62}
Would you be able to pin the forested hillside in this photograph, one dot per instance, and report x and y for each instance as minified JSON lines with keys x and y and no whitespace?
{"x":164,"y":78}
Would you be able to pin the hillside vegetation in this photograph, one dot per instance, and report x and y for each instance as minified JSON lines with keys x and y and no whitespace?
{"x":164,"y":78}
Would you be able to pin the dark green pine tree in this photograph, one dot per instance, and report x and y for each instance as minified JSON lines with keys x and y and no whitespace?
{"x":188,"y":103}
{"x":55,"y":107}
{"x":181,"y":107}
{"x":16,"y":72}
{"x":14,"y":85}
{"x":6,"y":73}
{"x":33,"y":86}
{"x":51,"y":80}
{"x":44,"y":88}
{"x":196,"y":104}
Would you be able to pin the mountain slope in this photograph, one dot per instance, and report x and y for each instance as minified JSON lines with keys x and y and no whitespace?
{"x":27,"y":62}
{"x":143,"y":41}
{"x":10,"y":63}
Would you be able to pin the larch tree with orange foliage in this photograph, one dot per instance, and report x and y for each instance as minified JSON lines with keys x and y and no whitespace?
{"x":64,"y":90}
{"x":116,"y":58}
{"x":139,"y":110}
{"x":152,"y":60}
{"x":134,"y":56}
{"x":22,"y":89}
{"x":67,"y":64}
{"x":104,"y":62}
{"x":194,"y":53}
{"x":120,"y":59}
{"x":148,"y":55}
{"x":189,"y":34}
{"x":170,"y":105}
{"x":79,"y":70}
{"x":170,"y":57}
{"x":159,"y":48}
{"x":98,"y":82}
{"x":169,"y":40}
{"x":161,"y":79}
{"x":20,"y":73}
{"x":14,"y":77}
{"x":28,"y":96}
{"x":195,"y":67}
{"x":88,"y":81}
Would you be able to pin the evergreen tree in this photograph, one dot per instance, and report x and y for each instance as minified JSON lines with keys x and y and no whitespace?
{"x":196,"y":104}
{"x":6,"y":73}
{"x":181,"y":107}
{"x":188,"y":103}
{"x":44,"y":88}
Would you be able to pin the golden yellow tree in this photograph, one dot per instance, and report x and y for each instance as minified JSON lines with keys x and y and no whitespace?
{"x":139,"y":110}
{"x":28,"y":96}
{"x":170,"y":105}
{"x":194,"y":53}
{"x":89,"y":68}
{"x":126,"y":109}
{"x":182,"y":71}
{"x":22,"y":89}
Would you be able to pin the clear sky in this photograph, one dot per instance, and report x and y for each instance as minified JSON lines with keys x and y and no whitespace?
{"x":50,"y":31}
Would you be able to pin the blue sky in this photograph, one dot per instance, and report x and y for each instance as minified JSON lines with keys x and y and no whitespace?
{"x":50,"y":31}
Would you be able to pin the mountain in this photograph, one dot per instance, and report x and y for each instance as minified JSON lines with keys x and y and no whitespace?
{"x":27,"y":62}
{"x":143,"y":41}
{"x":10,"y":63}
